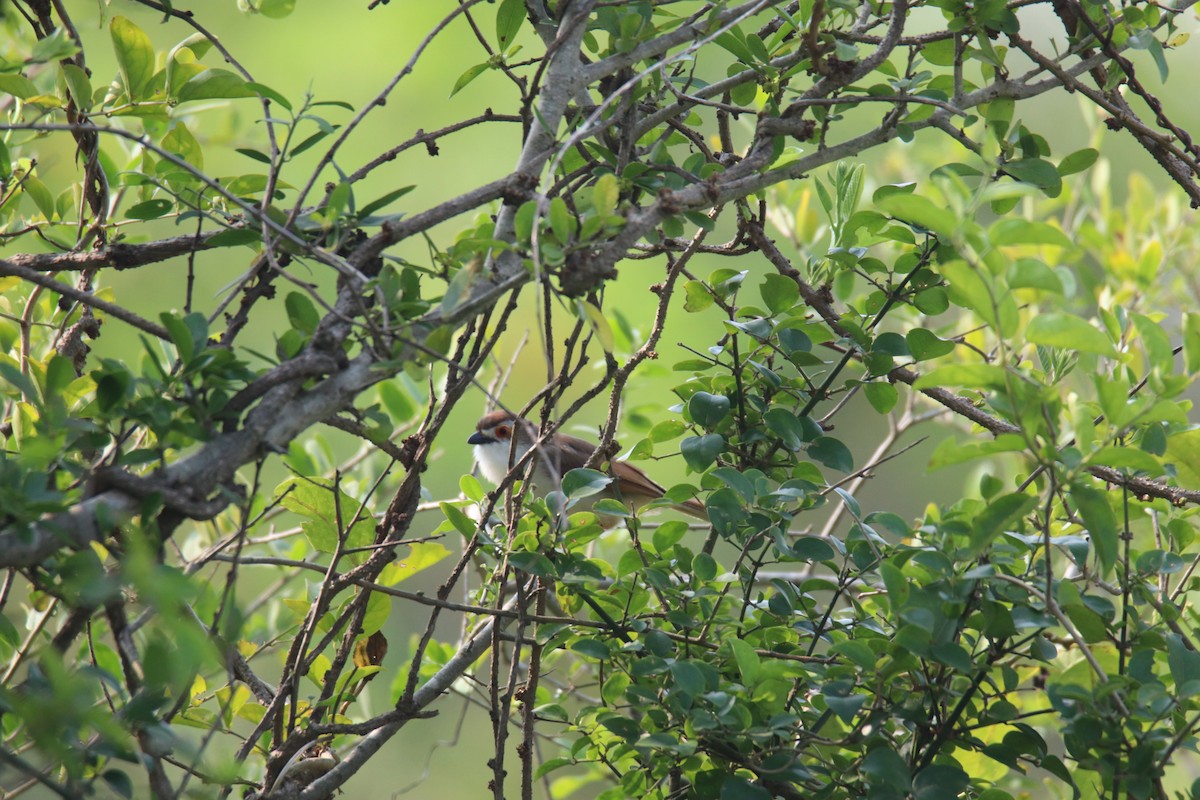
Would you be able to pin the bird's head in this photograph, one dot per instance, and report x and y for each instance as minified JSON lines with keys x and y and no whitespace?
{"x":493,"y":439}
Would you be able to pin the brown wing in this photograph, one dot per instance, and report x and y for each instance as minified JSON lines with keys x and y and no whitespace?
{"x":634,"y":484}
{"x":632,"y":481}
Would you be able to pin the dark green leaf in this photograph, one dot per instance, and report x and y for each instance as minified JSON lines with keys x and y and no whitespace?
{"x":735,"y":787}
{"x":387,"y":199}
{"x":584,"y":483}
{"x":708,"y":409}
{"x":150,"y":209}
{"x":1078,"y":161}
{"x":926,"y":345}
{"x":1184,"y":664}
{"x":884,"y":766}
{"x":1036,"y":171}
{"x":592,"y":648}
{"x":1092,"y":505}
{"x":262,"y":158}
{"x":302,"y":314}
{"x":999,"y":516}
{"x":832,"y":453}
{"x":701,"y":451}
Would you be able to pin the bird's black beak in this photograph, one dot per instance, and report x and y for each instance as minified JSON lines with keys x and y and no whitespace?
{"x":479,"y":437}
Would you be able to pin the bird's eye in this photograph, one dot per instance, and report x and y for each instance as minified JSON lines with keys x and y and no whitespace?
{"x":503,"y":432}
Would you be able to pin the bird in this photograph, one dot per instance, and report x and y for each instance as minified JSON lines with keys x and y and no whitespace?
{"x":558,"y":455}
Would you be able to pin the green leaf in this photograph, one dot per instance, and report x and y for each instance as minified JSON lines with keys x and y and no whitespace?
{"x":697,"y":297}
{"x":580,"y":482}
{"x":337,"y":202}
{"x":461,"y":522}
{"x":234,"y":237}
{"x":701,"y":451}
{"x":885,"y":767}
{"x":779,"y":292}
{"x":1127,"y":458}
{"x":667,"y":430}
{"x":40,"y":195}
{"x":605,"y":194}
{"x":18,"y":86}
{"x":998,"y":517}
{"x":919,"y":211}
{"x":135,"y":55}
{"x":180,"y":141}
{"x":387,"y":199}
{"x":688,"y":677}
{"x":951,"y":452}
{"x":973,"y":288}
{"x":302,"y":314}
{"x":79,"y":85}
{"x":55,"y":47}
{"x":1100,"y":521}
{"x":1059,"y":329}
{"x":708,"y":409}
{"x":940,"y":781}
{"x":932,"y":301}
{"x":857,"y":651}
{"x":592,"y":648}
{"x":1038,"y":172}
{"x":326,"y":514}
{"x":1184,"y":664}
{"x":668,"y":534}
{"x":561,"y":221}
{"x":181,"y":335}
{"x":881,"y":395}
{"x":1191,"y":341}
{"x":1016,"y":231}
{"x":270,"y":94}
{"x":150,"y":209}
{"x":1030,"y":273}
{"x":276,"y":9}
{"x":971,"y":376}
{"x":832,"y":453}
{"x":469,"y":75}
{"x":509,"y":17}
{"x":749,"y":664}
{"x":421,"y":556}
{"x":1078,"y":161}
{"x":214,"y":84}
{"x":119,"y":782}
{"x":788,"y":427}
{"x":735,"y":787}
{"x":378,"y":609}
{"x":704,"y":567}
{"x":20,"y":380}
{"x":926,"y":345}
{"x":999,"y":114}
{"x":598,"y":322}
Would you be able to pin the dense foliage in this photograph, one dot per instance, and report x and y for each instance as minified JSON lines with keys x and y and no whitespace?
{"x":179,"y":622}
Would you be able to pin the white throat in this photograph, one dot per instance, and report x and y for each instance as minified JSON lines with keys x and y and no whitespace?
{"x":493,"y":458}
